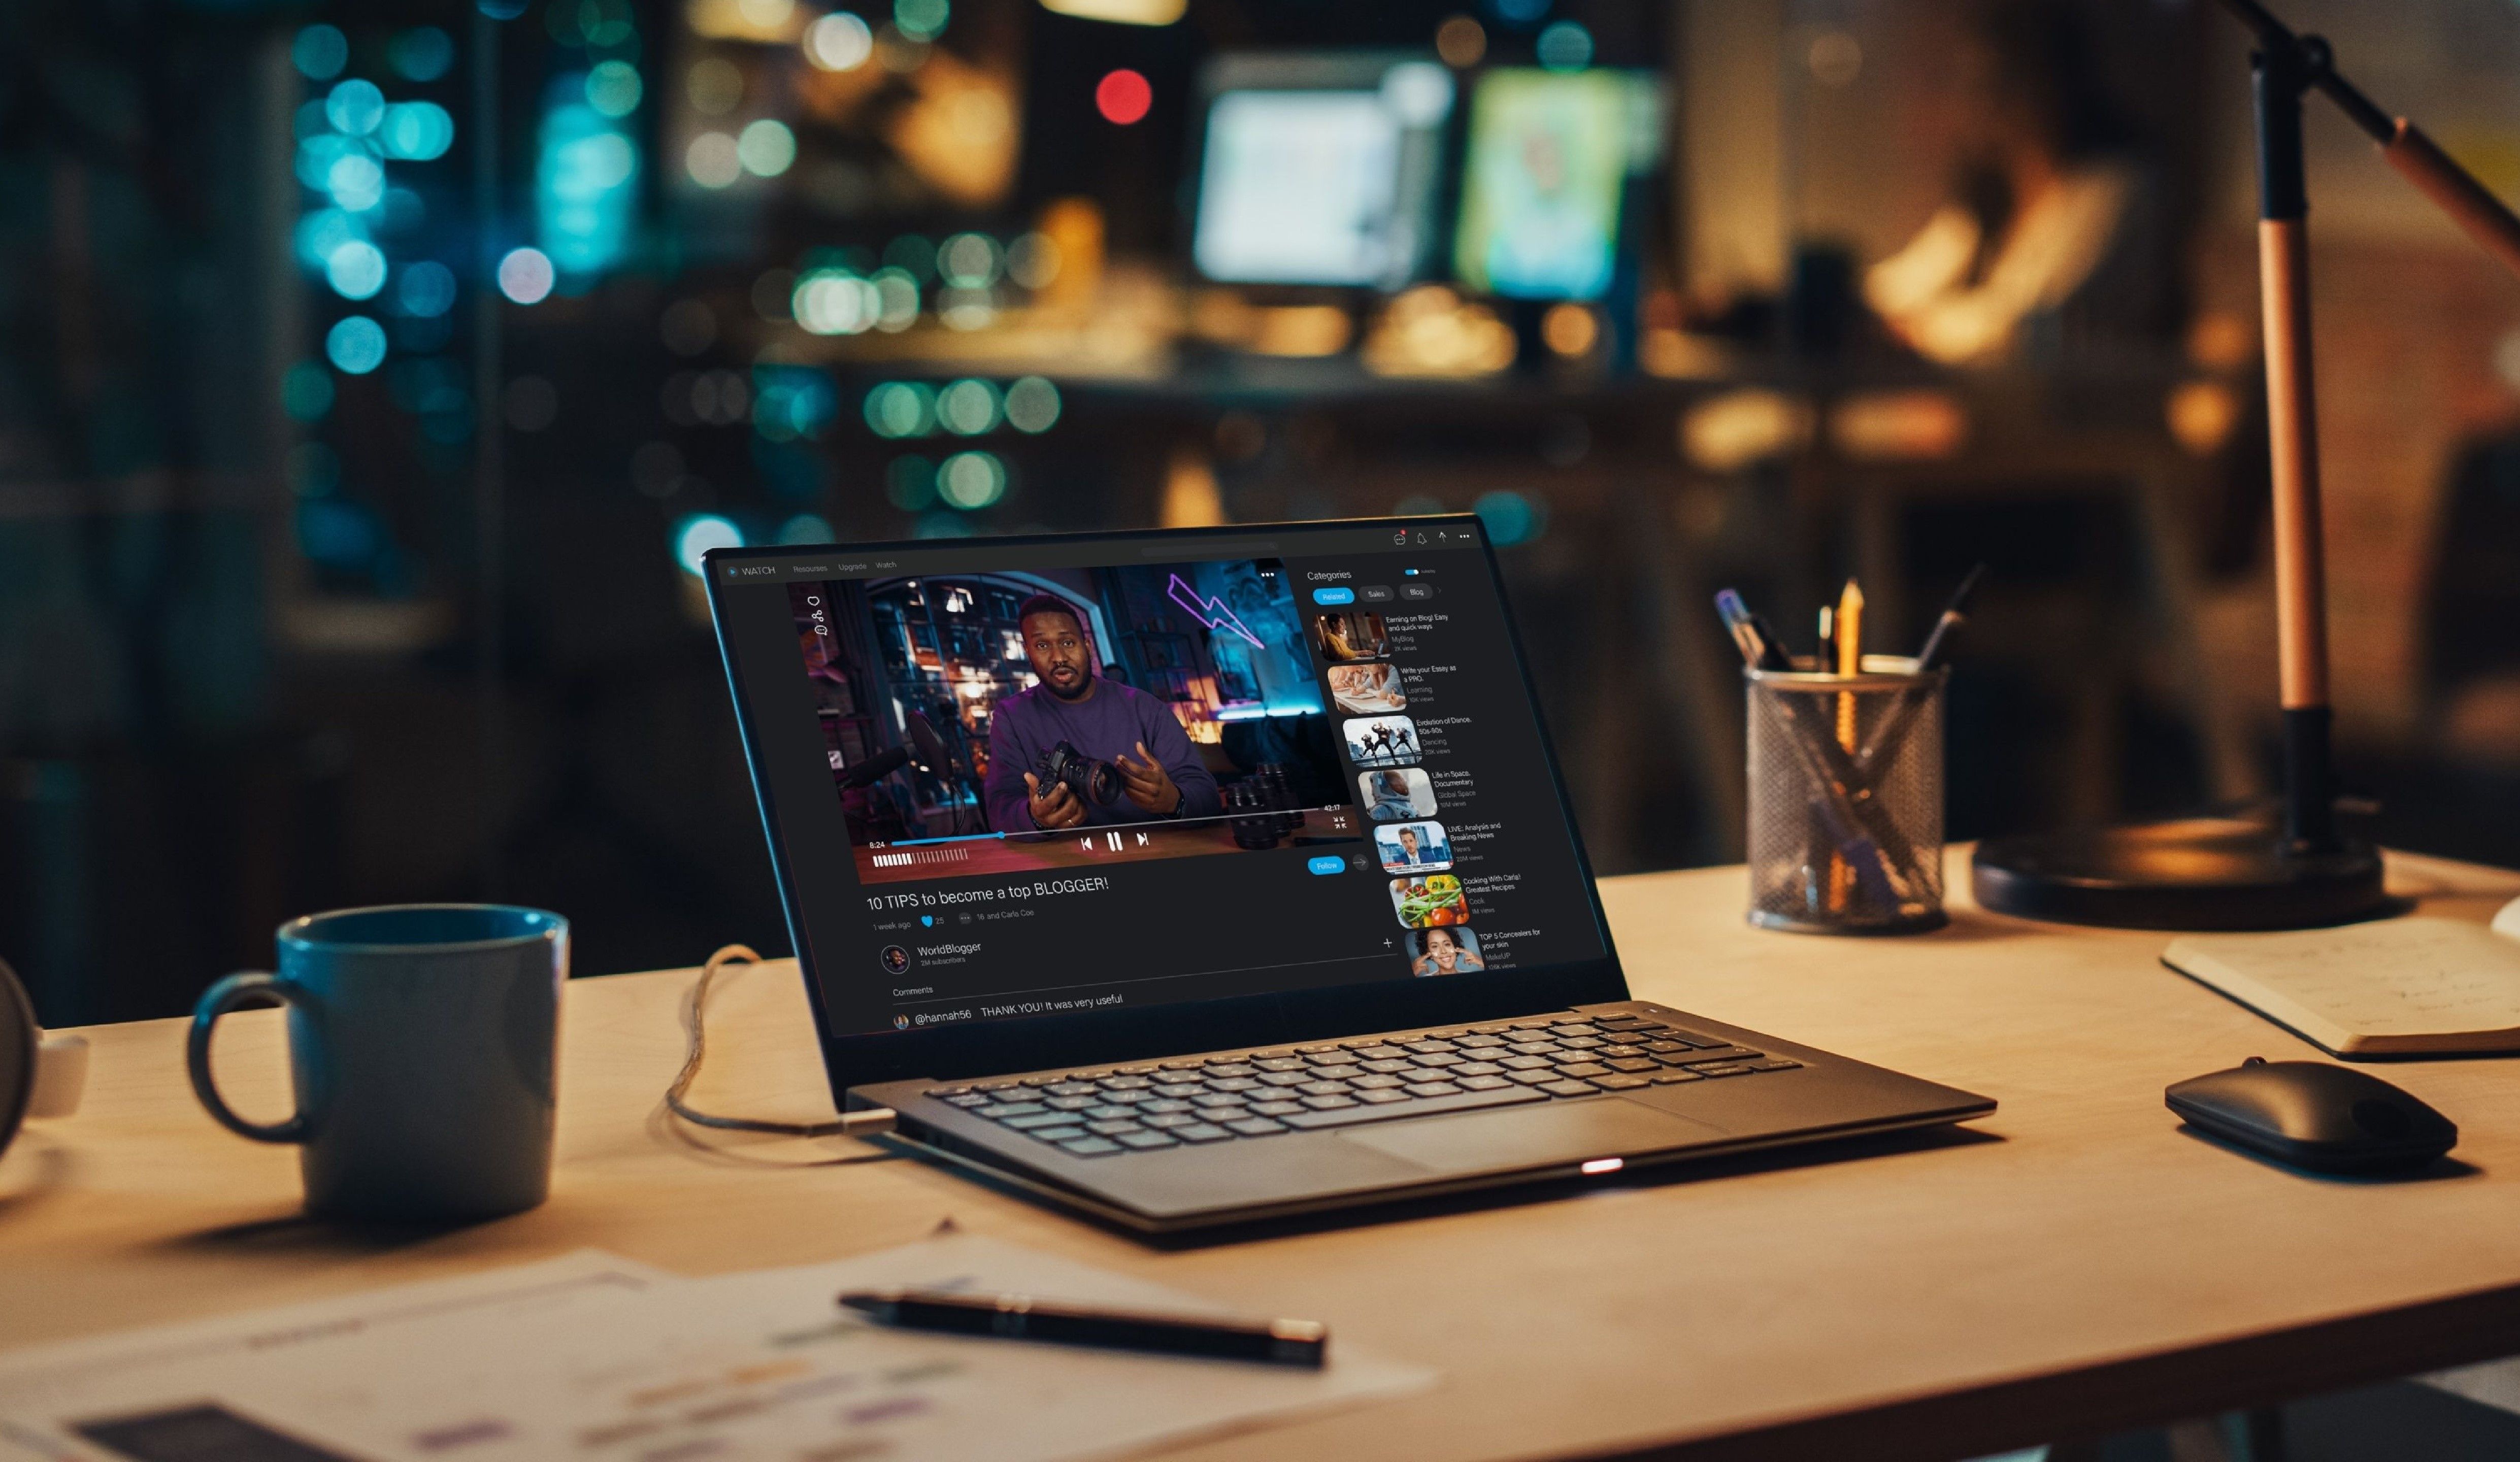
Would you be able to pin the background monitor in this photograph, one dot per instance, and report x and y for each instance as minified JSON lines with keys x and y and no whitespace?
{"x":1549,"y":156}
{"x":1320,"y":169}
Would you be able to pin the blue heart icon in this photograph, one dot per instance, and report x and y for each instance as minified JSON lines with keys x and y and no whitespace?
{"x":927,"y":919}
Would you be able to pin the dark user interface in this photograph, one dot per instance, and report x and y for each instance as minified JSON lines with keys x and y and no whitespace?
{"x":1050,"y":779}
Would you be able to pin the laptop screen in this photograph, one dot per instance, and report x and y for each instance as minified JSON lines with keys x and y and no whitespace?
{"x":1008,"y":779}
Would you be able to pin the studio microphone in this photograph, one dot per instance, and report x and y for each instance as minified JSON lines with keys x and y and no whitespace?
{"x":874,"y":768}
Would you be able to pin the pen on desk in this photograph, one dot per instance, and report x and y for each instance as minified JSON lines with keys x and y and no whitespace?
{"x":1778,"y":656}
{"x":1849,"y":625}
{"x":1824,"y":659}
{"x":1302,"y":1343}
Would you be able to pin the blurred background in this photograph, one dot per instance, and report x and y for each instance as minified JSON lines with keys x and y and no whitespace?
{"x":372,"y":374}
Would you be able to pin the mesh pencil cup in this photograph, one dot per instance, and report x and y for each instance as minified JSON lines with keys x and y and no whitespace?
{"x":1846,"y":799}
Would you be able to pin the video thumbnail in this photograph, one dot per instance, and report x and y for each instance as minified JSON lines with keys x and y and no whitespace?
{"x":1382,"y":741}
{"x":1396,"y":796}
{"x":1429,"y":901}
{"x":1445,"y":952}
{"x":1413,"y":847}
{"x":1347,"y":636}
{"x":1367,"y":690}
{"x":1006,"y":722}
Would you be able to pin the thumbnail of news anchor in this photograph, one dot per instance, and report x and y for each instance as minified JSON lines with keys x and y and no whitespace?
{"x":992,"y":722}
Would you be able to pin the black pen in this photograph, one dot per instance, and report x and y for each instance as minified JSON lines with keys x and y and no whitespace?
{"x":1303,"y":1343}
{"x":1892,"y":732}
{"x":1955,"y":615}
{"x":1757,"y":643}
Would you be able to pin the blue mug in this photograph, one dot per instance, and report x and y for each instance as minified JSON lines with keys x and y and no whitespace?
{"x":424,"y":1046}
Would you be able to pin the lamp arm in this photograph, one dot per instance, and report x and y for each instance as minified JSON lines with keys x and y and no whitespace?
{"x":2416,"y":157}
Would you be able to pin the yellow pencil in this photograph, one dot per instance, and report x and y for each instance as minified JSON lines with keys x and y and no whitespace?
{"x":1849,"y":625}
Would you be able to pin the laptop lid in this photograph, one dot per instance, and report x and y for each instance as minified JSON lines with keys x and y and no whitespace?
{"x":1049,"y":801}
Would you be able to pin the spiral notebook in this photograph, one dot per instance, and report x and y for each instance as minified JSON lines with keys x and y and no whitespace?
{"x":2410,"y":987}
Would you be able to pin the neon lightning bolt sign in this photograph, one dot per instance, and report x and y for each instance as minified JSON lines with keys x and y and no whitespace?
{"x":1210,"y":612}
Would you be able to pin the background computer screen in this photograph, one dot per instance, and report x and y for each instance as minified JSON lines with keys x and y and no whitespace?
{"x":1549,"y":156}
{"x":1320,"y":174}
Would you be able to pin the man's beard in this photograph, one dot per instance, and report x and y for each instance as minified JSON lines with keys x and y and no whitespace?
{"x":1084,"y":686}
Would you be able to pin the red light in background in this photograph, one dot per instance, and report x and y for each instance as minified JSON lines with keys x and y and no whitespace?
{"x":1123,"y":97}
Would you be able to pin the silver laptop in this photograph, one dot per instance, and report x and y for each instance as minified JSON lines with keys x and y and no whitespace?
{"x":1195,"y":877}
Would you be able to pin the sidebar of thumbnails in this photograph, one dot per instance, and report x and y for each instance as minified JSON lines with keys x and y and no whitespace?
{"x":1389,"y":699}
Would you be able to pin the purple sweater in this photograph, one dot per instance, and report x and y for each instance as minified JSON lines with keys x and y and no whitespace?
{"x":1113,"y":721}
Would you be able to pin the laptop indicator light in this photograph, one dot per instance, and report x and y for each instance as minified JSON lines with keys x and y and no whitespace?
{"x":1599,"y":1166}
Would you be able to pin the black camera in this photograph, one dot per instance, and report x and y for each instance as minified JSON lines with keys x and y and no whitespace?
{"x":1094,"y":783}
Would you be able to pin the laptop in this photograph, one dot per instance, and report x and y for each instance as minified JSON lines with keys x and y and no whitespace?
{"x":1199,"y":876}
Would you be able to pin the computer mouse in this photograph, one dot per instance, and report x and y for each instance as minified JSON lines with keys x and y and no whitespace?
{"x":2310,"y":1113}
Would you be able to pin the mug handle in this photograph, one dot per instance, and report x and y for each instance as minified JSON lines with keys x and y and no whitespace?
{"x":218,"y":1001}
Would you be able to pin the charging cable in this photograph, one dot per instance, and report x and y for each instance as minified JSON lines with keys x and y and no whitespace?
{"x":865,"y":1123}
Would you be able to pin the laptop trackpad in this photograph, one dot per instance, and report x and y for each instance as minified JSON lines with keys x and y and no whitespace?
{"x":1530,"y":1136}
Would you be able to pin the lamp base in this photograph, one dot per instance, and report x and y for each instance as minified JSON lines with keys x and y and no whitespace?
{"x":2205,"y":872}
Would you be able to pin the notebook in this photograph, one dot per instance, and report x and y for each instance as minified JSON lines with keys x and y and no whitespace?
{"x":2411,"y":987}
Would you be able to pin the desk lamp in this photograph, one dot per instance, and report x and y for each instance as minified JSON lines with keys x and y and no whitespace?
{"x":2233,"y":873}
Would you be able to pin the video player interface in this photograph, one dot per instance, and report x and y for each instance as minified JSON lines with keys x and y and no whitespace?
{"x":1027,"y":779}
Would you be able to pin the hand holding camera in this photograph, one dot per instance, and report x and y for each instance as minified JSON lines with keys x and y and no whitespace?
{"x":1064,"y":782}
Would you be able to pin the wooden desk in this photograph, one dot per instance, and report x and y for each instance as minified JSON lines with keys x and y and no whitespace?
{"x":2081,"y":1266}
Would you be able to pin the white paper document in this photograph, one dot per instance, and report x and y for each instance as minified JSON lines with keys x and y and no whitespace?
{"x":592,"y":1356}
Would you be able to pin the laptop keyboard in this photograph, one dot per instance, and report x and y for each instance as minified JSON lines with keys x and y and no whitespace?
{"x":1096,"y":1113}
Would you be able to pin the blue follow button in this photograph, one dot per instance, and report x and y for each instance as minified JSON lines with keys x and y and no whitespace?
{"x":1333,"y":595}
{"x":1328,"y":863}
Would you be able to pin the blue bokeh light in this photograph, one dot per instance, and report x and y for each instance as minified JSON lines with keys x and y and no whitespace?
{"x":355,"y":108}
{"x":321,"y":233}
{"x":356,"y":345}
{"x":416,"y":131}
{"x":422,"y":54}
{"x":427,"y":289}
{"x":356,"y":182}
{"x":1512,"y":518}
{"x":699,"y":532}
{"x":319,"y":52}
{"x":584,"y":189}
{"x":356,"y":270}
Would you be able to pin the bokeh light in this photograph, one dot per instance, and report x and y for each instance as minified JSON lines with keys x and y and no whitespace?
{"x":896,"y":299}
{"x":695,"y":535}
{"x":321,"y":233}
{"x":1032,"y":405}
{"x":805,"y":528}
{"x":835,"y":302}
{"x":525,"y":274}
{"x":898,"y":409}
{"x":921,"y":19}
{"x":356,"y":182}
{"x":319,"y":52}
{"x":767,"y":148}
{"x":1510,"y":517}
{"x":970,"y":481}
{"x":613,"y":88}
{"x":427,"y":289}
{"x":583,"y":189}
{"x":1418,"y":92}
{"x":911,"y":254}
{"x":968,"y":408}
{"x":356,"y":270}
{"x":1123,"y":97}
{"x":969,"y":261}
{"x":910,"y":483}
{"x":306,"y":391}
{"x":1519,"y":12}
{"x":422,"y":54}
{"x":416,"y":131}
{"x":355,"y":344}
{"x":500,"y":10}
{"x":1564,"y":46}
{"x":1032,"y":260}
{"x":839,"y":42}
{"x":712,"y":160}
{"x":354,"y":107}
{"x":714,"y":85}
{"x":1461,"y":40}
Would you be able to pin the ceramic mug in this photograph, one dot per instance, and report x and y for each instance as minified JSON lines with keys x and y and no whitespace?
{"x":424,"y":1049}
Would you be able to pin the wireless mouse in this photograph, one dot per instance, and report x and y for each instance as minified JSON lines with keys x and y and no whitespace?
{"x":2329,"y":1119}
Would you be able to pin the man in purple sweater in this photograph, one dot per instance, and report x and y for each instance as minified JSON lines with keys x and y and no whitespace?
{"x":1103,"y":719}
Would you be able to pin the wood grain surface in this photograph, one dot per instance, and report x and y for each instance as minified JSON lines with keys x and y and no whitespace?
{"x":2077,"y":1265}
